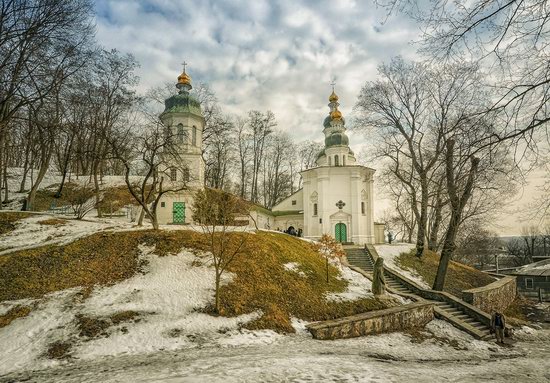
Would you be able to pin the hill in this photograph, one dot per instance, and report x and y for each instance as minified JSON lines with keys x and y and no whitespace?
{"x":141,"y":291}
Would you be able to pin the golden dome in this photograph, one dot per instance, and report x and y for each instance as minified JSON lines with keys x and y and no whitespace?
{"x":333,"y":97}
{"x":184,"y":78}
{"x":336,"y":115}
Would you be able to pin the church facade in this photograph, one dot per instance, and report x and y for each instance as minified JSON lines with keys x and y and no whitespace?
{"x":337,"y":194}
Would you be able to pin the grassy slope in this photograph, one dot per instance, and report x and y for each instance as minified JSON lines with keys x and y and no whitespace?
{"x":459,"y":276}
{"x":8,"y":220}
{"x":261,"y":282}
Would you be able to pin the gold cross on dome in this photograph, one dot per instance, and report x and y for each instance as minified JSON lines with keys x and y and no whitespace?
{"x":184,"y":65}
{"x":333,"y":83}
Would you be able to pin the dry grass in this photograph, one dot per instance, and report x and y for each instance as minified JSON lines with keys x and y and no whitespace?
{"x":261,"y":282}
{"x":115,"y":198}
{"x":522,"y":311}
{"x":459,"y":276}
{"x":91,"y":327}
{"x":13,"y":314}
{"x":45,"y":198}
{"x":99,"y":259}
{"x":8,"y":220}
{"x":53,"y":222}
{"x":59,"y":350}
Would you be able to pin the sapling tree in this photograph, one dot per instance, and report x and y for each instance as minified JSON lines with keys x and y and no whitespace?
{"x":217,"y":213}
{"x":330,"y":249}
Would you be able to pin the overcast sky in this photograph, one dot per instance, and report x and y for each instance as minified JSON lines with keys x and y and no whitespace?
{"x":276,"y":55}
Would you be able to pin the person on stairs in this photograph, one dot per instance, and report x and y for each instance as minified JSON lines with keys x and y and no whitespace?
{"x":498,"y":324}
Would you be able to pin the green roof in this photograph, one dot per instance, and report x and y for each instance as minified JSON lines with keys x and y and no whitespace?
{"x":183,"y":102}
{"x":264,"y":210}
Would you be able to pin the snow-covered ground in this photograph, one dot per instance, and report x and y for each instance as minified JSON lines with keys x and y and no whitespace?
{"x":445,"y":355}
{"x":390,"y":253}
{"x":168,"y":296}
{"x":29,"y":232}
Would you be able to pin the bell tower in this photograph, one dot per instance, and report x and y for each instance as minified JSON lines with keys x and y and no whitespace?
{"x":183,"y":121}
{"x":337,"y":151}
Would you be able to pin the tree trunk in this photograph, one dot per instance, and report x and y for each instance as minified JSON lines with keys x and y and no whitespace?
{"x":32,"y":194}
{"x":96,"y":189}
{"x":141,"y":216}
{"x":457,"y":207}
{"x":433,"y":240}
{"x":447,"y":252}
{"x":423,"y":221}
{"x":217,"y":293}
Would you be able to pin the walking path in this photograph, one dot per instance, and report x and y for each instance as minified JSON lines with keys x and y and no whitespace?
{"x":447,"y":307}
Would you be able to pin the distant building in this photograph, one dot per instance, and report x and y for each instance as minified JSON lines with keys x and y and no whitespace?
{"x":533,"y":280}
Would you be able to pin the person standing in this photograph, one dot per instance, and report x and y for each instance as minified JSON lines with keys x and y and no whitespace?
{"x":498,"y":324}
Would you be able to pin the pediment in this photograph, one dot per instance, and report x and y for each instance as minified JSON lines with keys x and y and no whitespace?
{"x":340,"y":214}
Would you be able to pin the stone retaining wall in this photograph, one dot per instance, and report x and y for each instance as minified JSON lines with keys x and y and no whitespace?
{"x":495,"y":296}
{"x":393,"y":319}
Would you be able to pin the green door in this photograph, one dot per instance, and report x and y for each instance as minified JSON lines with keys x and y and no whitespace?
{"x":178,"y":212}
{"x":341,"y":233}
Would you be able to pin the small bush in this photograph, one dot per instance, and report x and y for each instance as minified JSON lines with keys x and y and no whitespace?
{"x":81,"y":200}
{"x":53,"y":222}
{"x":59,"y":350}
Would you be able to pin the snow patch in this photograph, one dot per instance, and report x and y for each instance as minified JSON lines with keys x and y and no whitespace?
{"x":25,"y":340}
{"x":244,"y":337}
{"x":358,"y":287}
{"x":30,"y":233}
{"x":171,"y":291}
{"x":294,"y":266}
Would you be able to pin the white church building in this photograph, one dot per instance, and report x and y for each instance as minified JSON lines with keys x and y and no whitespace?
{"x":337,"y":194}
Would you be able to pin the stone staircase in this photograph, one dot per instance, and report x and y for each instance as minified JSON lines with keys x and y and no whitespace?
{"x":449,"y":308}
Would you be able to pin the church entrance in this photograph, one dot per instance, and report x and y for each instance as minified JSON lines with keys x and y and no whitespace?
{"x":178,"y":212}
{"x":341,"y":232}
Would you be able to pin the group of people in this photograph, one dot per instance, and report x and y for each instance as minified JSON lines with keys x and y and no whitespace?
{"x":292,"y":231}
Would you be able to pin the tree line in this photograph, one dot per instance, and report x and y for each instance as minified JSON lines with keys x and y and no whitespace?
{"x":456,"y":131}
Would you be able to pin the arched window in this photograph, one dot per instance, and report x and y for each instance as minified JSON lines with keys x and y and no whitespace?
{"x":173,"y":174}
{"x":329,"y":164}
{"x":314,"y":209}
{"x":194,"y":136}
{"x":336,"y":162}
{"x":186,"y":175}
{"x":180,"y":133}
{"x":362,"y":208}
{"x":344,"y":160}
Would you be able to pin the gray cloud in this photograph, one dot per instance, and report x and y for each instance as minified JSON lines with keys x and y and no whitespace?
{"x":260,"y":54}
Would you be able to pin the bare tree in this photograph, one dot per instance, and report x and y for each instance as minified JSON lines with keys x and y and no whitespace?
{"x":217,"y":213}
{"x":458,"y":197}
{"x":511,"y":38}
{"x":153,"y":154}
{"x":42,"y":43}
